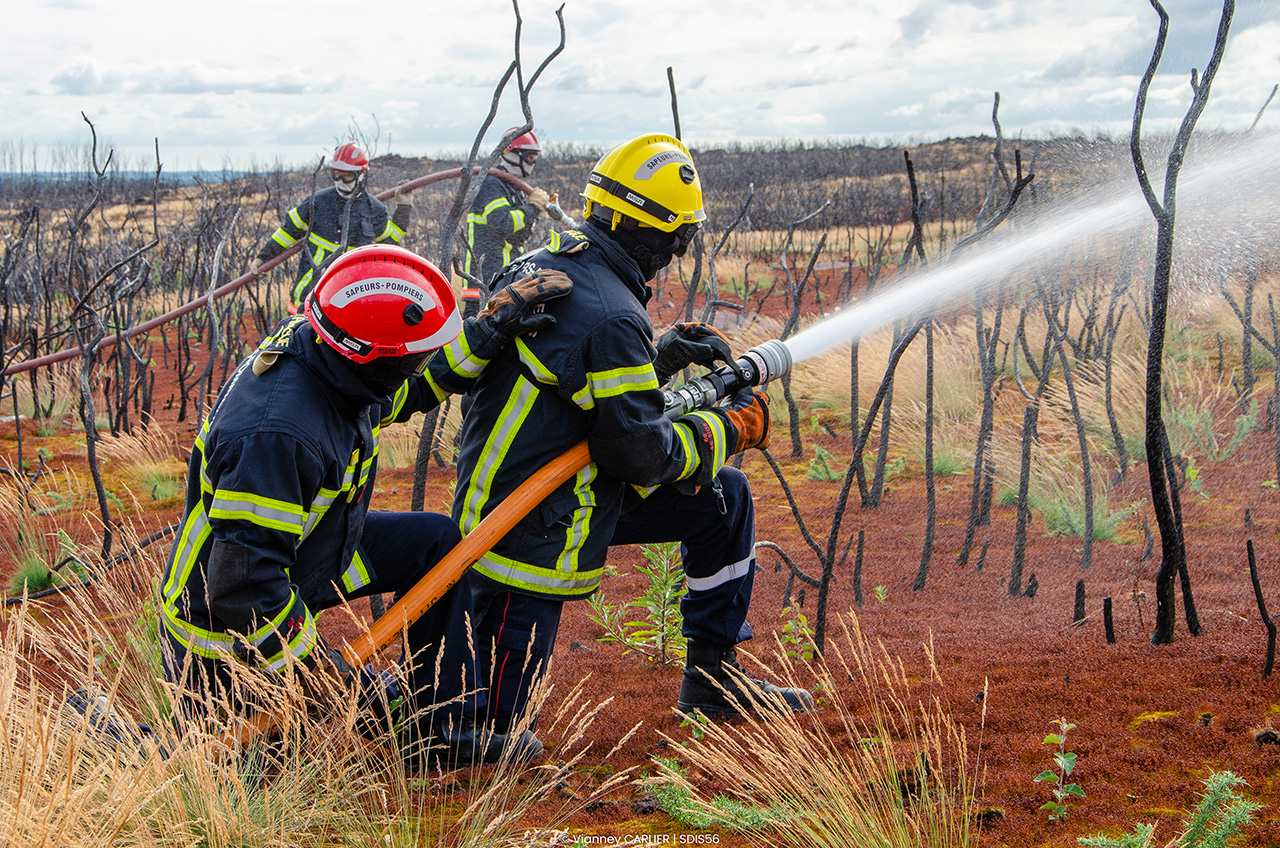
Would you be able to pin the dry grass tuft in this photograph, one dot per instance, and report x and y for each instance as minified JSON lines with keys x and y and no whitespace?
{"x":887,"y":766}
{"x":148,"y":462}
{"x":63,"y":782}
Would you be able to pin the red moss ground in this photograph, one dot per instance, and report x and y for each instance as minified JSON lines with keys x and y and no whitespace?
{"x":1152,"y":721}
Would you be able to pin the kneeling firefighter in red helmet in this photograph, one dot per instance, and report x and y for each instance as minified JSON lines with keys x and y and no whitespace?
{"x":278,"y":526}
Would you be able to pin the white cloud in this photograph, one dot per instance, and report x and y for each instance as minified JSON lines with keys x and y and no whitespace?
{"x":263,"y":82}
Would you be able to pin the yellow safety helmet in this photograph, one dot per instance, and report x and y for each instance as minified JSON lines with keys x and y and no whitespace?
{"x":650,"y":179}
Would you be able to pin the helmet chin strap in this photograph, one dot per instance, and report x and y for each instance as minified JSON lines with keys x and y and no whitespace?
{"x":517,"y":167}
{"x":650,"y":247}
{"x":348,"y":189}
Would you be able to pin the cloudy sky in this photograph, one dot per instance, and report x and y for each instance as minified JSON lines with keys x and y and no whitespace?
{"x":234,"y":83}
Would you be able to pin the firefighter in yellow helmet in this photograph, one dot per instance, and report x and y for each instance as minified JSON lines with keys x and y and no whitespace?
{"x":597,"y":375}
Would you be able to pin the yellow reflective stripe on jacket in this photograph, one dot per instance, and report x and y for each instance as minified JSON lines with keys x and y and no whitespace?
{"x":323,"y":245}
{"x":614,"y":382}
{"x":194,"y":532}
{"x":299,"y":646}
{"x":513,"y":416}
{"x":482,"y":217}
{"x":580,"y":528}
{"x":686,"y":437}
{"x":357,"y":574}
{"x":535,"y":366}
{"x":297,"y":220}
{"x":436,"y":390}
{"x":265,"y":512}
{"x":319,"y":506}
{"x":212,"y":644}
{"x":547,"y":581}
{"x":391,"y":233}
{"x":300,"y":288}
{"x":283,"y":239}
{"x":462,"y":359}
{"x":205,"y":643}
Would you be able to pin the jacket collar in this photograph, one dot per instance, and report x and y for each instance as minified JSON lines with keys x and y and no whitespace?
{"x":296,"y":338}
{"x":621,"y":262}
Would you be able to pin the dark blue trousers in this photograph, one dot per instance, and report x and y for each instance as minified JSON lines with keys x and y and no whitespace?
{"x":399,"y":548}
{"x":515,"y":632}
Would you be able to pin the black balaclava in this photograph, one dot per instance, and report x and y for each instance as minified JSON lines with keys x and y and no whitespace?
{"x":652,"y":248}
{"x":385,"y":374}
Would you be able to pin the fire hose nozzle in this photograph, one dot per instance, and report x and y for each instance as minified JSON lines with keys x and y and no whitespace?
{"x":759,"y":365}
{"x":554,"y":210}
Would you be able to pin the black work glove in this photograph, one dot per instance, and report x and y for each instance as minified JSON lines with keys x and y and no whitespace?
{"x":515,"y":310}
{"x":326,"y":678}
{"x":688,"y":344}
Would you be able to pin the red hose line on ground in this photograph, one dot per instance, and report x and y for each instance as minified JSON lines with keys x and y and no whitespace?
{"x":107,"y":341}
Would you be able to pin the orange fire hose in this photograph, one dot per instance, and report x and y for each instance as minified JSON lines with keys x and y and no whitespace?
{"x":112,"y":338}
{"x":443,"y":574}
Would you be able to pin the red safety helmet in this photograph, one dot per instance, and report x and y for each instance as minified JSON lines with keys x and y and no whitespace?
{"x":527,"y":143}
{"x":350,"y":157}
{"x":382,"y":300}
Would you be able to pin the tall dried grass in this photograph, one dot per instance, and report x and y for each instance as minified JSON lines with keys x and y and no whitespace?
{"x":64,"y":782}
{"x":146,"y":461}
{"x":47,"y":396}
{"x":888,"y":767}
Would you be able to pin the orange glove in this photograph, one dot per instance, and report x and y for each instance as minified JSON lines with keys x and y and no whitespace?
{"x":747,"y":414}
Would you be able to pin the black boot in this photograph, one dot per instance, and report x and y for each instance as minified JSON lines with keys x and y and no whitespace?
{"x":708,"y":664}
{"x":465,"y":743}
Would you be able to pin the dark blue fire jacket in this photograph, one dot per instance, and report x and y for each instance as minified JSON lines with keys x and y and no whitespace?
{"x":592,"y":377}
{"x":278,"y":485}
{"x":321,"y":221}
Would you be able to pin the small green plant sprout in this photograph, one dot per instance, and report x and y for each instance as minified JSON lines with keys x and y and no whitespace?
{"x":1066,"y":761}
{"x":820,"y":466}
{"x":695,"y":721}
{"x":1216,"y":821}
{"x":796,"y":635}
{"x":658,"y":635}
{"x":1193,"y":477}
{"x":882,"y":593}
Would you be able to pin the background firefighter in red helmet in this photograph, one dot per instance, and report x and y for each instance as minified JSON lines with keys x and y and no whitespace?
{"x":336,"y":219}
{"x":501,"y":218}
{"x":277,"y":524}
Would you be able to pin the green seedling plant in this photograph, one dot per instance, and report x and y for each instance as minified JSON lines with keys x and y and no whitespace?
{"x":1193,"y":477}
{"x":1215,"y":823}
{"x":882,"y":593}
{"x":796,"y":635}
{"x":658,"y":633}
{"x":1066,"y":762}
{"x":820,"y":466}
{"x":696,"y":722}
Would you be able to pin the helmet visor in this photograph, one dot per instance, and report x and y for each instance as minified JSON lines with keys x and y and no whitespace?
{"x":415,"y":364}
{"x":684,"y":236}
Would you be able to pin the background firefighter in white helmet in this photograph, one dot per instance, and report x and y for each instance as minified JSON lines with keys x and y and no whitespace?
{"x":277,"y":524}
{"x":597,"y":375}
{"x":335,"y":219}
